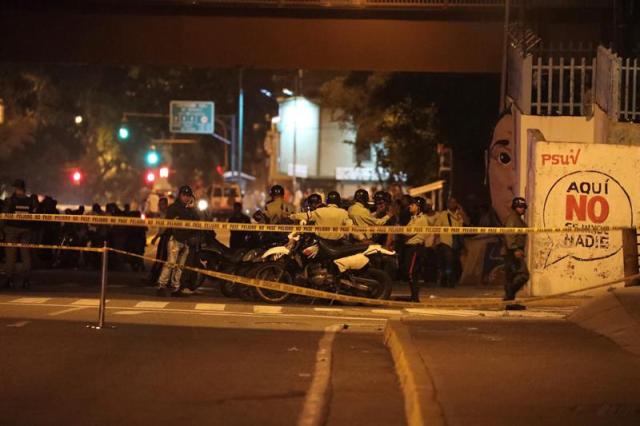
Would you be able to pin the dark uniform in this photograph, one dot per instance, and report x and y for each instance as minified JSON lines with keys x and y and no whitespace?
{"x":516,"y":271}
{"x":18,"y":232}
{"x":178,"y":245}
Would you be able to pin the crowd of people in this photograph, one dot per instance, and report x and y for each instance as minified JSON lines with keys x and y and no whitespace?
{"x":423,"y":258}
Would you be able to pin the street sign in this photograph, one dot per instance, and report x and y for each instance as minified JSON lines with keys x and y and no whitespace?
{"x":191,"y":117}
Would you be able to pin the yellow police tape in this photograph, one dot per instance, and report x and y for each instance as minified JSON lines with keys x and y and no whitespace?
{"x":51,"y":247}
{"x":256,"y":227}
{"x":309,"y":292}
{"x":319,"y":294}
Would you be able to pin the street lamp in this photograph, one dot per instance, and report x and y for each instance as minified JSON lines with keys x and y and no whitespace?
{"x":78,"y":119}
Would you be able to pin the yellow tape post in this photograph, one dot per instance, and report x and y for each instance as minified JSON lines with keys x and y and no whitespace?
{"x":256,"y":227}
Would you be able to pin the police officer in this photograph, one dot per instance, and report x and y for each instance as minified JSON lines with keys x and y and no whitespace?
{"x":362,"y":216}
{"x":414,"y":246}
{"x":313,"y":202}
{"x":515,"y":265}
{"x":329,"y":215}
{"x":178,"y":245}
{"x":276,"y":210}
{"x":18,"y":232}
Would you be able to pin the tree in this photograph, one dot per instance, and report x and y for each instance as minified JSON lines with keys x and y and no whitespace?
{"x":401,"y":128}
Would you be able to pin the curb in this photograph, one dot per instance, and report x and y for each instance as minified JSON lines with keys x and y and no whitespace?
{"x":609,"y":316}
{"x":421,"y":404}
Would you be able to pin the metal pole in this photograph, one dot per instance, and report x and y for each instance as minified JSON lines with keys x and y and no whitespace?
{"x":505,"y":40}
{"x":240,"y":125}
{"x":103,"y":285}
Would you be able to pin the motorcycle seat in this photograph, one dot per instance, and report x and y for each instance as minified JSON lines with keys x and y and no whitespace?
{"x":336,"y":250}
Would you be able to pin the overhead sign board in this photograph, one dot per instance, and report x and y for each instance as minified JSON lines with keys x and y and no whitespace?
{"x":191,"y":117}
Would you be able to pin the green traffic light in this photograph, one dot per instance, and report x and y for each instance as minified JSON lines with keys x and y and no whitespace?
{"x":152,"y":158}
{"x":123,"y":133}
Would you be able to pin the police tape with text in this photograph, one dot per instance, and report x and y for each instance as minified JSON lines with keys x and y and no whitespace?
{"x":256,"y":227}
{"x":309,"y":292}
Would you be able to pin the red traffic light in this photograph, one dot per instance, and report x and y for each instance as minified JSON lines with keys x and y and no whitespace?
{"x":150,"y":177}
{"x":76,"y":177}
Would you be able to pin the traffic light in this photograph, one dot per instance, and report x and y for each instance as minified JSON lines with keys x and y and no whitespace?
{"x":150,"y":177}
{"x":152,"y":158}
{"x":76,"y":177}
{"x":123,"y":132}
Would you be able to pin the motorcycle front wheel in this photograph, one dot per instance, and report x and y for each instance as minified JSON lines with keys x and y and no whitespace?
{"x":273,"y":271}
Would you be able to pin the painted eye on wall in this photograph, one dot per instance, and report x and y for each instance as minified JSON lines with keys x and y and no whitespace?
{"x":504,"y":158}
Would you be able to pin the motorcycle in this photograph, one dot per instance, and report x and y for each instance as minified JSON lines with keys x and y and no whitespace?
{"x":309,"y":261}
{"x":215,"y":256}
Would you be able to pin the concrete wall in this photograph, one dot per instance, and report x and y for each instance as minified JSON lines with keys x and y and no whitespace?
{"x":561,"y":129}
{"x":580,"y":185}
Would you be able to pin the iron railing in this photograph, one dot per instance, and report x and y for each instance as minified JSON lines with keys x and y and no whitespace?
{"x":630,"y":89}
{"x":562,"y":87}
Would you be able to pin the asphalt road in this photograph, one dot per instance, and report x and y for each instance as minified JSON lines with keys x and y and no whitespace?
{"x":58,"y":371}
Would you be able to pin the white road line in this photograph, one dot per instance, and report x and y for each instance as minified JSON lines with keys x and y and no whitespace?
{"x":435,"y":311}
{"x":66,"y":311}
{"x":31,"y":300}
{"x":267,"y":309}
{"x":387,"y":311}
{"x":128,"y":312}
{"x":314,"y":411}
{"x":87,"y":302}
{"x":210,"y":306}
{"x":156,"y":305}
{"x":328,"y":309}
{"x":18,"y":324}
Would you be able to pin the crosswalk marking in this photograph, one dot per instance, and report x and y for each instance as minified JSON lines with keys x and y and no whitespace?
{"x":87,"y":302}
{"x":387,"y":311}
{"x":328,"y":309}
{"x":145,"y":304}
{"x":31,"y":300}
{"x":267,"y":309}
{"x":210,"y":306}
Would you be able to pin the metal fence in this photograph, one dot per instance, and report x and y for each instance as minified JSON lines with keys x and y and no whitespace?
{"x":562,"y":86}
{"x":569,"y":86}
{"x":629,"y":90}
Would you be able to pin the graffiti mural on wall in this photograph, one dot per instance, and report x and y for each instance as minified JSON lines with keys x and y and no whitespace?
{"x":587,"y":198}
{"x":501,"y":166}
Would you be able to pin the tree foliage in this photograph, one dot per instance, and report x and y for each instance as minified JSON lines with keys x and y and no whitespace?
{"x":40,"y":141}
{"x":402,"y":128}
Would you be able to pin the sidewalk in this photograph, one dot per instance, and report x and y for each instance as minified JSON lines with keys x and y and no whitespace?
{"x":483,"y":294}
{"x":524,"y":372}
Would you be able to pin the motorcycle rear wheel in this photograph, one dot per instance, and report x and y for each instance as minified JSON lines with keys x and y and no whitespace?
{"x":383,"y":289}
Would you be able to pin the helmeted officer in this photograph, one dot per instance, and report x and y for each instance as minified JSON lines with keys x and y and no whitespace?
{"x":19,"y":232}
{"x":414,"y":246}
{"x":276,"y":210}
{"x":362,"y":216}
{"x":515,"y":265}
{"x":314,"y":201}
{"x":329,"y":215}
